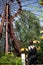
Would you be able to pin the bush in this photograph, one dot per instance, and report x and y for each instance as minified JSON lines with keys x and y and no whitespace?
{"x":10,"y":59}
{"x":40,"y":53}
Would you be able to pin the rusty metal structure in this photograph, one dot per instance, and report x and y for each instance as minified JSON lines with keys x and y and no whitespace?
{"x":8,"y":19}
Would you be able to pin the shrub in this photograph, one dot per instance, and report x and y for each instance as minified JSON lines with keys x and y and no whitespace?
{"x":10,"y":59}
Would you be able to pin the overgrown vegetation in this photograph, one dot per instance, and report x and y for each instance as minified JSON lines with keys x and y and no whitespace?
{"x":40,"y":52}
{"x":27,"y":28}
{"x":10,"y":59}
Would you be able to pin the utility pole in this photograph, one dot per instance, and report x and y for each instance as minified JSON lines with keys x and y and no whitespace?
{"x":6,"y":16}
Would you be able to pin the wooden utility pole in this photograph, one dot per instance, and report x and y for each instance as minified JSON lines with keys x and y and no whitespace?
{"x":6,"y":15}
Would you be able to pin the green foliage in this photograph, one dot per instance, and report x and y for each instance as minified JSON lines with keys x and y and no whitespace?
{"x":41,"y":52}
{"x":40,"y":57}
{"x":10,"y":59}
{"x":2,"y":42}
{"x":27,"y":27}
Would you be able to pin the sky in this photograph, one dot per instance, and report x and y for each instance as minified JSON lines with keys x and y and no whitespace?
{"x":30,"y":5}
{"x":35,"y":7}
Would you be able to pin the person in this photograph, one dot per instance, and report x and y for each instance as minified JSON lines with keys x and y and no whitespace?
{"x":32,"y":54}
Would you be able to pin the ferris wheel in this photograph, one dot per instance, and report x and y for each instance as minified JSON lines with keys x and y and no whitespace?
{"x":9,"y":9}
{"x":35,"y":6}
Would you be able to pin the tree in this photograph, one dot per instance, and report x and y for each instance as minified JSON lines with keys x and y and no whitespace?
{"x":27,"y":27}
